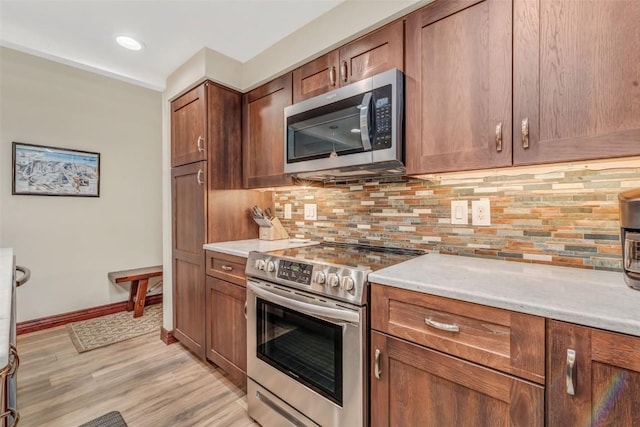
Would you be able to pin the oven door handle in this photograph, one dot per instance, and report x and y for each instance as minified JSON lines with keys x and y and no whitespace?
{"x":332,"y":315}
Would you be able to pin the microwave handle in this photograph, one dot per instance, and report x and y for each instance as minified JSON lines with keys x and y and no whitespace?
{"x":365,"y":111}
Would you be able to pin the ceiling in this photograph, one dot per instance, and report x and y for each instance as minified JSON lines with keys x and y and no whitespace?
{"x":82,"y":32}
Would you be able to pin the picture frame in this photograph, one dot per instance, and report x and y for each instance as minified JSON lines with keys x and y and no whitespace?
{"x":40,"y":170}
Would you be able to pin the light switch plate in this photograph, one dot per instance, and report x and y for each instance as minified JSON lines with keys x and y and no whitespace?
{"x":481,"y":212}
{"x":459,"y":212}
{"x":287,"y":211}
{"x":310,"y":211}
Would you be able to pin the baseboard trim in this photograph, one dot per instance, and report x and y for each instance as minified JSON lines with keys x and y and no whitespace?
{"x":75,"y":316}
{"x":167,"y":336}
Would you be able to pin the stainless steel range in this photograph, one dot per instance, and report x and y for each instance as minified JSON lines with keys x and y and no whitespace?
{"x":307,"y":333}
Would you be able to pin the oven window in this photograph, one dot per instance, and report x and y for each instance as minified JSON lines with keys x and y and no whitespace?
{"x":305,"y":348}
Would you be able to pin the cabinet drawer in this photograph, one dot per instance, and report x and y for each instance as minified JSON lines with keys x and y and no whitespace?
{"x":227,"y":267}
{"x":505,"y":340}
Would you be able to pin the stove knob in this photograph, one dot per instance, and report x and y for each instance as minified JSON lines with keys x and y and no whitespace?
{"x":347,"y":283}
{"x":321,"y":278}
{"x":271,"y":266}
{"x":260,"y":264}
{"x":333,"y":280}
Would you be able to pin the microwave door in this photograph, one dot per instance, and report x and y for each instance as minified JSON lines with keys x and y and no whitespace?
{"x":331,"y":131}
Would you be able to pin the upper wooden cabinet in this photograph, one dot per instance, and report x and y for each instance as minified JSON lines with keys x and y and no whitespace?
{"x":593,"y":377}
{"x":189,"y":127}
{"x":224,"y":119}
{"x":458,"y":86}
{"x":575,"y":87}
{"x":576,"y":80}
{"x":371,"y":54}
{"x":206,"y":125}
{"x":263,"y":133}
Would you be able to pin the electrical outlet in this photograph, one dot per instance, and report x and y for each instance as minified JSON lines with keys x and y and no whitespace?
{"x":310,"y":211}
{"x":287,"y":211}
{"x":459,"y":212}
{"x":481,"y":212}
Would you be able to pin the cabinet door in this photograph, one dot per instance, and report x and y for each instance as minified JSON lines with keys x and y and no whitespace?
{"x":224,"y":116}
{"x":422,"y":387}
{"x":188,"y":185}
{"x":458,"y":86}
{"x":606,"y":377}
{"x":374,"y":53}
{"x":227,"y":328}
{"x":263,"y":133}
{"x":316,"y":77}
{"x":577,"y":80}
{"x":189,"y":127}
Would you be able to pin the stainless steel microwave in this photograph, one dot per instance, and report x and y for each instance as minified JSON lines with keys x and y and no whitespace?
{"x":353,"y":131}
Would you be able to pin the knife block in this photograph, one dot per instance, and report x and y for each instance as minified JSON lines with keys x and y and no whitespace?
{"x":275,"y":232}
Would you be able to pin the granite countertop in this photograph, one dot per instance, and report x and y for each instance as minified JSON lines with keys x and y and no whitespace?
{"x":243,"y":247}
{"x":600,"y":299}
{"x":6,"y":289}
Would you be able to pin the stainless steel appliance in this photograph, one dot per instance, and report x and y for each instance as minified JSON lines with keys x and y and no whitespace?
{"x":354,"y":131}
{"x":9,"y":415}
{"x":630,"y":236}
{"x":307,"y":333}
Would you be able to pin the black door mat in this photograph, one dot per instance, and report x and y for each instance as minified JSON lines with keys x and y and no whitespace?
{"x":111,"y":419}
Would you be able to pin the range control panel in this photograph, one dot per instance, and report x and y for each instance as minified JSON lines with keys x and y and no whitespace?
{"x":334,"y":281}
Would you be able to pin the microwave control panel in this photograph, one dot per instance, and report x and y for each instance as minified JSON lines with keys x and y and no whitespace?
{"x":383,"y":114}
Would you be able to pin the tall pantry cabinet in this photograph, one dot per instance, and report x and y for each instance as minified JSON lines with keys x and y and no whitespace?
{"x":208,"y":204}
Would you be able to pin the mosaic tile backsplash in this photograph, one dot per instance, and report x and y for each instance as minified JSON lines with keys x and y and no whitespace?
{"x":565,"y":217}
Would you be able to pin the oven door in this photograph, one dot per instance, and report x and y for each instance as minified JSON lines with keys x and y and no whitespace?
{"x":308,"y":352}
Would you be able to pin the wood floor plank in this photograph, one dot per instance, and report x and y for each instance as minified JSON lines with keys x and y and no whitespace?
{"x":150,"y":383}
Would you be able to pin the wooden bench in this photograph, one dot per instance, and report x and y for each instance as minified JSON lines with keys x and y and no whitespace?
{"x":139,"y":278}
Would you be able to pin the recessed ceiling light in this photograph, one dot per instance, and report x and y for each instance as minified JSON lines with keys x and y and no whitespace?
{"x":128,"y":42}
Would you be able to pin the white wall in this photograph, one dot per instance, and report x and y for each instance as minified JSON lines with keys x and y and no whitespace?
{"x":71,"y":243}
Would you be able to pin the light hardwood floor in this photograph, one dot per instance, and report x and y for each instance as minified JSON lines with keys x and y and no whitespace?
{"x":150,"y":383}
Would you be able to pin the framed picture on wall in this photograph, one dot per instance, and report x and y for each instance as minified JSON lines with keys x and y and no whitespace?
{"x":51,"y":171}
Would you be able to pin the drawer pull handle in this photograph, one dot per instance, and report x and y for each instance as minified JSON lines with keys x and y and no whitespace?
{"x":376,"y":369}
{"x":245,"y":310}
{"x":442,"y":326}
{"x":571,"y":366}
{"x":499,"y":137}
{"x":199,"y":177}
{"x":332,"y":75}
{"x":226,"y":267}
{"x":200,"y":144}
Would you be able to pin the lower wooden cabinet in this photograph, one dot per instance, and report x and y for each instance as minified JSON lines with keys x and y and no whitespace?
{"x":593,"y":377}
{"x":441,"y":362}
{"x":188,"y":190}
{"x":412,"y":385}
{"x":226,"y":324}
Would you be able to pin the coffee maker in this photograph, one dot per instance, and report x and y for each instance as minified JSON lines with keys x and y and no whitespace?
{"x":630,"y":236}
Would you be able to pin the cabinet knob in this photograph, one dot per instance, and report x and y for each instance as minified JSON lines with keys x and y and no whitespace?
{"x":525,"y":133}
